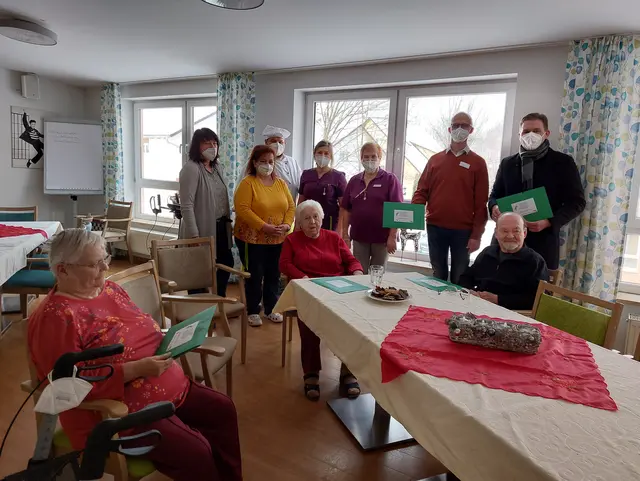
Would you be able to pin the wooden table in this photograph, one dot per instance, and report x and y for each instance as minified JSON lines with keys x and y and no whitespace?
{"x":479,"y":434}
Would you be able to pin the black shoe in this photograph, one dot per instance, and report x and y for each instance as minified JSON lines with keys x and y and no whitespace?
{"x":28,"y":164}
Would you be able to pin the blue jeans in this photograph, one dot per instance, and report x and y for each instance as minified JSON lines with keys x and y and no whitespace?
{"x":441,"y":241}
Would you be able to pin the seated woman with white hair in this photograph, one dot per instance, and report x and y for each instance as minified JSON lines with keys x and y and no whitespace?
{"x":200,"y":441}
{"x":316,"y":252}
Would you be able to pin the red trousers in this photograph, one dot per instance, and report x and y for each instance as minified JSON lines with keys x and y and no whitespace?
{"x":200,"y":442}
{"x":310,"y":352}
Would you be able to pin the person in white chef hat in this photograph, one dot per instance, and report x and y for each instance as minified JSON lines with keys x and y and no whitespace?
{"x":286,"y":167}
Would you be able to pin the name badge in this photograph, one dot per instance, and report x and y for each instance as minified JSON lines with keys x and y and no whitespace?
{"x":465,"y":165}
{"x":377,"y":185}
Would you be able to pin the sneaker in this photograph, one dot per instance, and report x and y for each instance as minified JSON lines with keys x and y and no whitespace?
{"x":274,"y":317}
{"x":255,"y":320}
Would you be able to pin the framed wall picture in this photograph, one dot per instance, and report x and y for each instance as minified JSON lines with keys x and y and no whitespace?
{"x":27,"y":138}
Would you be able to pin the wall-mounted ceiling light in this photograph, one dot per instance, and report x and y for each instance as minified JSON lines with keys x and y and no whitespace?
{"x":27,"y":32}
{"x":235,"y":4}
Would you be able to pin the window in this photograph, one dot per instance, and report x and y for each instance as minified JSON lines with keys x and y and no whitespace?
{"x":163,"y":130}
{"x":630,"y":275}
{"x":411,"y":124}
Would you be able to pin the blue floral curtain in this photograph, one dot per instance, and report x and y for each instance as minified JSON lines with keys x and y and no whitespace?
{"x":112,"y":151}
{"x":599,"y":128}
{"x":236,"y":124}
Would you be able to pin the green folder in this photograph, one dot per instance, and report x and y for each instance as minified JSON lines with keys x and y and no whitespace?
{"x":532,"y":204}
{"x":400,"y":215}
{"x":434,"y":284}
{"x":339,"y":285}
{"x":188,"y":335}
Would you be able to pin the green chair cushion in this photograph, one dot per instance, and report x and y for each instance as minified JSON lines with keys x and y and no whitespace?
{"x":137,"y":467}
{"x":44,"y":264}
{"x":31,"y":278}
{"x":17,"y":217}
{"x":580,"y":321}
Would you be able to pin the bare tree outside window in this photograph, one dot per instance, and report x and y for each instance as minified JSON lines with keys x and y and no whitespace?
{"x":348,"y":124}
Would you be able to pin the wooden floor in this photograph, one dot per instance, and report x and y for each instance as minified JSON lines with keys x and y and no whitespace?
{"x":284,"y":437}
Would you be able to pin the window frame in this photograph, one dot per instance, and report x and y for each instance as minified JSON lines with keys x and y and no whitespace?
{"x":187,"y":105}
{"x":398,"y":122}
{"x":633,"y":227}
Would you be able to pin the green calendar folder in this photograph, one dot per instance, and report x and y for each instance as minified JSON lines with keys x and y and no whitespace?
{"x":400,"y":215}
{"x":188,"y":335}
{"x":339,"y":285}
{"x":532,"y":204}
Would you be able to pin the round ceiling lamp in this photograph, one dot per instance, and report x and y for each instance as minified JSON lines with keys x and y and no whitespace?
{"x":27,"y":32}
{"x":235,"y":4}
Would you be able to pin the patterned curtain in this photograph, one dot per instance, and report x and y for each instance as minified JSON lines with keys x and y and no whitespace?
{"x":112,"y":151}
{"x":599,"y":128}
{"x":236,"y":124}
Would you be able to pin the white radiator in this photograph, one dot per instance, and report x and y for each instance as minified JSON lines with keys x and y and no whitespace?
{"x":633,"y":332}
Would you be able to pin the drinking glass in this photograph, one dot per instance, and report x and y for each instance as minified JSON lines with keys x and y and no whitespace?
{"x":376,"y":273}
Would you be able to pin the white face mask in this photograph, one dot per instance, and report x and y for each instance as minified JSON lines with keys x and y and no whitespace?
{"x":459,"y":135}
{"x":322,"y":161}
{"x":265,"y":169}
{"x":370,"y":166}
{"x":210,"y":154}
{"x":278,"y":147}
{"x":63,"y":394}
{"x":531,"y":141}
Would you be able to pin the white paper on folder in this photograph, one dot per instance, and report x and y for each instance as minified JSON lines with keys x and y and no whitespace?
{"x":403,"y":216}
{"x":525,"y":207}
{"x":338,"y":284}
{"x":182,"y":336}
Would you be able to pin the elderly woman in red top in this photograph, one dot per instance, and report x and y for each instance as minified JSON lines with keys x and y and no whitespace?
{"x":316,"y":252}
{"x":200,"y":442}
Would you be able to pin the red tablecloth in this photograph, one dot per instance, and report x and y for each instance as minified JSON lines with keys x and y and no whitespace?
{"x":563,"y":367}
{"x":16,"y":230}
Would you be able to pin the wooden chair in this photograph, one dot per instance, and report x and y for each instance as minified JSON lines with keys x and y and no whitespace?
{"x":116,"y":224}
{"x":19,"y":214}
{"x":29,"y":281}
{"x":555,"y":277}
{"x":190,"y":264}
{"x":288,"y":319}
{"x":142,"y":283}
{"x":121,"y":468}
{"x":566,"y":315}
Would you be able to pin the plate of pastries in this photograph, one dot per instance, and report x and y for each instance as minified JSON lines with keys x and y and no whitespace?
{"x":391,"y":295}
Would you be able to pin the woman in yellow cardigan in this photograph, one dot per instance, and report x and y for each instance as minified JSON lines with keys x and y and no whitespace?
{"x":264,"y":215}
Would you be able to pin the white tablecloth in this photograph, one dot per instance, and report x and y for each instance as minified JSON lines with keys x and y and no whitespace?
{"x":14,"y":250}
{"x":479,"y":434}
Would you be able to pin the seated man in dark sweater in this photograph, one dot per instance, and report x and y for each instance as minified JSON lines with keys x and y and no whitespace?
{"x":508,"y":273}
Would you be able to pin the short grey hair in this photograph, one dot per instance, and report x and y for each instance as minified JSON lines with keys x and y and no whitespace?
{"x":308,"y":204}
{"x":68,"y":246}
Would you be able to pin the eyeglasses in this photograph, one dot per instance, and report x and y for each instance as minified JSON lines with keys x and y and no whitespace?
{"x":463,"y":293}
{"x":106,"y":261}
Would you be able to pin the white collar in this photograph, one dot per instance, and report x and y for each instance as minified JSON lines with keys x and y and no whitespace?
{"x":464,"y":151}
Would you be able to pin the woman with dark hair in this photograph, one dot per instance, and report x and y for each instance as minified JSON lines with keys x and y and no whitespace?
{"x":324,"y":184}
{"x":204,"y":200}
{"x":264,"y":215}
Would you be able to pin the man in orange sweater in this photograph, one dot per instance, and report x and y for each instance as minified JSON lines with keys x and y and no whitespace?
{"x":455,"y":188}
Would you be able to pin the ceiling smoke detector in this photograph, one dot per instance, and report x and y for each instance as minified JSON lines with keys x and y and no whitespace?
{"x":27,"y":32}
{"x":235,"y":4}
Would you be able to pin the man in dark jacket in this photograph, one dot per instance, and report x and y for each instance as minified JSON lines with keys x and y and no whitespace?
{"x":538,"y":165}
{"x":508,"y":273}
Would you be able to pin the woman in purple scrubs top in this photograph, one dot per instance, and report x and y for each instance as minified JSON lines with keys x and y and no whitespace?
{"x":324,"y":184}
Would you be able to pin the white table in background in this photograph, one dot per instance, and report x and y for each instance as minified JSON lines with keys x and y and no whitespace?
{"x":479,"y":434}
{"x":14,"y":250}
